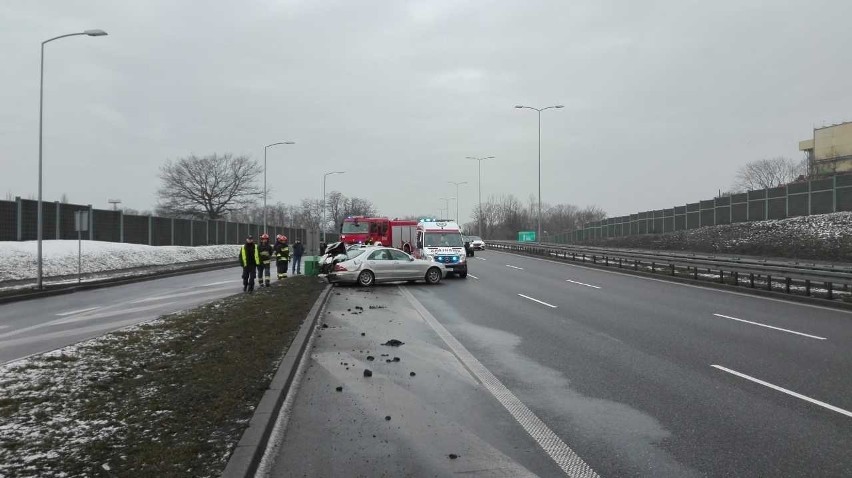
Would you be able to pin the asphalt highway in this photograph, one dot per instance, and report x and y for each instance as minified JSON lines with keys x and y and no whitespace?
{"x":533,"y":367}
{"x":39,"y":325}
{"x":643,"y":377}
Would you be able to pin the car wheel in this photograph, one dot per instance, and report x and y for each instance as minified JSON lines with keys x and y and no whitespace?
{"x":462,"y":274}
{"x":433,"y":275}
{"x":366,"y":278}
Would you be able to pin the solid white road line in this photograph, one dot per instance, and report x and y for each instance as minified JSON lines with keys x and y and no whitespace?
{"x":515,"y":267}
{"x":482,"y":258}
{"x":784,"y":390}
{"x":77,"y":311}
{"x":771,"y":327}
{"x":536,"y":300}
{"x":581,"y":283}
{"x":561,"y":453}
{"x":471,"y":275}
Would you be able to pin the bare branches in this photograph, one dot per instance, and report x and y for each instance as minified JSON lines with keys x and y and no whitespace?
{"x":769,"y":173}
{"x":208,"y":187}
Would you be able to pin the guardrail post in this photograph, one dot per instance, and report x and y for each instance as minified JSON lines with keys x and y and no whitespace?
{"x":619,"y":263}
{"x":807,"y":287}
{"x":673,"y":269}
{"x":736,"y":275}
{"x":829,"y":294}
{"x":653,"y":267}
{"x":768,"y":282}
{"x":787,"y":282}
{"x":751,"y":279}
{"x":573,"y":256}
{"x":635,"y":265}
{"x":594,"y":259}
{"x":721,"y":276}
{"x":695,"y":273}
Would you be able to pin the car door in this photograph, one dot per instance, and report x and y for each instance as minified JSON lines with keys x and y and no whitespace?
{"x":379,"y":261}
{"x":406,"y":269}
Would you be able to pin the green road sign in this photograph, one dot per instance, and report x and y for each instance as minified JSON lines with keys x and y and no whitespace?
{"x":526,"y":236}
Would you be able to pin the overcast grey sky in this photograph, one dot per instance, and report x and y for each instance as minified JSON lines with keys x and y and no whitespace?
{"x":664,"y":100}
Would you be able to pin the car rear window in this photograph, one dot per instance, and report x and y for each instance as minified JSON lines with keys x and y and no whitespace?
{"x":353,"y":253}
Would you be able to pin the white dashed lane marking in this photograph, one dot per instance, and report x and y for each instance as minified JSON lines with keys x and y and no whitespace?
{"x":471,"y":275}
{"x":771,"y":327}
{"x":784,"y":390}
{"x":515,"y":267}
{"x":536,"y":300}
{"x":561,"y":453}
{"x":582,"y":283}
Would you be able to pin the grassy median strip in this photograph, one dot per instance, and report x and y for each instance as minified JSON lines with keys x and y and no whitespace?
{"x":167,"y":398}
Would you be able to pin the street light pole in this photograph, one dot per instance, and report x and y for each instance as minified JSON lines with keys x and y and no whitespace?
{"x":40,"y":226}
{"x":323,"y":202}
{"x":539,"y":110}
{"x":264,"y":179}
{"x":447,"y":204}
{"x":457,"y":196}
{"x":479,"y":162}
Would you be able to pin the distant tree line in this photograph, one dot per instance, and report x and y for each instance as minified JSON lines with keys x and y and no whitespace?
{"x":505,"y":215}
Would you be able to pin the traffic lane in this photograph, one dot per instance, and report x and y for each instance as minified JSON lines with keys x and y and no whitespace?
{"x":39,"y":325}
{"x":439,"y":410}
{"x":682,"y":320}
{"x":497,"y":334}
{"x":822,"y":321}
{"x":613,"y":392}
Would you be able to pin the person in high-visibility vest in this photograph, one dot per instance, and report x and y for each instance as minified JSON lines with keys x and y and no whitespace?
{"x":265,"y":253}
{"x":249,"y":259}
{"x":282,"y":255}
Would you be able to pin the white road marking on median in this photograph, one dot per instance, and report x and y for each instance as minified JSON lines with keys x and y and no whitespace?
{"x":581,"y":283}
{"x":515,"y":267}
{"x":181,"y":294}
{"x":784,"y":390}
{"x":218,"y":283}
{"x":78,"y":311}
{"x":561,"y":453}
{"x":471,"y":275}
{"x":771,"y":327}
{"x":536,"y":300}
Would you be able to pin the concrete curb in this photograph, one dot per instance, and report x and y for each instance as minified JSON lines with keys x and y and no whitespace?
{"x":246,"y":457}
{"x":831,"y":304}
{"x":58,"y":290}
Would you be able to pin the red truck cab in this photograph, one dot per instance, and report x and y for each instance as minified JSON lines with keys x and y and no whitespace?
{"x":397,"y":233}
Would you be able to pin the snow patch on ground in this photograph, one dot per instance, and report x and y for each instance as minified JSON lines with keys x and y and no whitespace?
{"x":821,"y":237}
{"x":18,"y":260}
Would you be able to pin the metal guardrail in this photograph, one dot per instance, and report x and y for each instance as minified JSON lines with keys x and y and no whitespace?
{"x":812,"y":280}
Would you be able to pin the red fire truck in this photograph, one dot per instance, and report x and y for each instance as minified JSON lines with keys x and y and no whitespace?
{"x":399,"y":233}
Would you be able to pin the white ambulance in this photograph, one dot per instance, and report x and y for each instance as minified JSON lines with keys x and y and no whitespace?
{"x":441,"y":241}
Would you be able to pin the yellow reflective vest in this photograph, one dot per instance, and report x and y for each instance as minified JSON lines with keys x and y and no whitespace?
{"x":243,"y":258}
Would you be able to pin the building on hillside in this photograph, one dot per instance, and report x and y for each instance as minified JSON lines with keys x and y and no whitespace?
{"x":830,"y":150}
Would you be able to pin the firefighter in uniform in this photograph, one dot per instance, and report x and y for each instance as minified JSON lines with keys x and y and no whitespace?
{"x":249,"y":259}
{"x":282,"y":254}
{"x":265,"y":253}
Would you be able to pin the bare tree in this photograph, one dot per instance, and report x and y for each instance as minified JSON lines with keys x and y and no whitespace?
{"x":209,"y":186}
{"x":358,"y":207}
{"x":309,"y":214}
{"x":769,"y":173}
